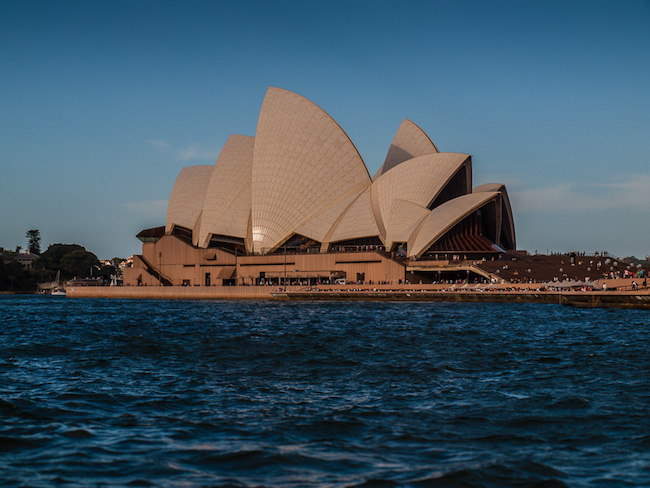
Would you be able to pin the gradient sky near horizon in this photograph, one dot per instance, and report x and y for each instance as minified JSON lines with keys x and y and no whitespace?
{"x":103,"y":103}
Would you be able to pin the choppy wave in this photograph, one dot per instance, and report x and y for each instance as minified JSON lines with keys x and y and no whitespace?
{"x":183,"y":393}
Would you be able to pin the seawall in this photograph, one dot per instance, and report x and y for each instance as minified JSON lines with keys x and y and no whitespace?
{"x":173,"y":292}
{"x":590,"y":299}
{"x":636,"y":300}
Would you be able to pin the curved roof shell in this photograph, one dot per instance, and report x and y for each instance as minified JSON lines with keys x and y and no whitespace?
{"x":302,"y":162}
{"x":301,"y":174}
{"x":489,"y":187}
{"x":188,"y":194}
{"x":227,"y":206}
{"x":356,"y":222}
{"x":419,"y":181}
{"x":443,"y":218}
{"x":320,"y":225}
{"x":409,"y":142}
{"x":403,"y":220}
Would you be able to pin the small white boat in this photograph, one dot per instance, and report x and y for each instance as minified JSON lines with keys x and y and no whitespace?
{"x":59,"y":291}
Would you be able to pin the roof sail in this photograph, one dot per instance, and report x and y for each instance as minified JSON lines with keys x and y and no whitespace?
{"x":409,"y":142}
{"x":188,"y":194}
{"x":228,"y":198}
{"x":302,"y":162}
{"x":443,"y":218}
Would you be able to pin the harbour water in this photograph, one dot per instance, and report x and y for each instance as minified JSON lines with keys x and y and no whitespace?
{"x":125,"y":393}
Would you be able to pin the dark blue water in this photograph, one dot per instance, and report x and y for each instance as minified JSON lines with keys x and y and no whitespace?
{"x":187,"y":393}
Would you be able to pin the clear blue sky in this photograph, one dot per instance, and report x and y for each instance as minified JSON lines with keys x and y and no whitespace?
{"x":103,"y":103}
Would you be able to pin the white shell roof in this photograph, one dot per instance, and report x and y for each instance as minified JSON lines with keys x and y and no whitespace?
{"x":321,"y":224}
{"x":303,"y":161}
{"x":357,"y":221}
{"x":443,"y":218}
{"x":228,"y":200}
{"x":302,"y":174}
{"x":489,"y":187}
{"x":418,"y":180}
{"x":188,"y":194}
{"x":409,"y":142}
{"x":404,"y":218}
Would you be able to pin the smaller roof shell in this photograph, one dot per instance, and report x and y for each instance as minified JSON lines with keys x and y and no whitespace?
{"x":404,"y":219}
{"x":319,"y":226}
{"x":188,"y":194}
{"x":356,"y":222}
{"x":227,"y":204}
{"x":409,"y":142}
{"x":443,"y":218}
{"x":418,"y":180}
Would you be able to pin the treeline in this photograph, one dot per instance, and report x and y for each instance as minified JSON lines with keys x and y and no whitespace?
{"x":72,"y":260}
{"x":13,"y":277}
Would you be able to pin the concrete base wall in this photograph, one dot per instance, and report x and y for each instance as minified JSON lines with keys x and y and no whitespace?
{"x":173,"y":292}
{"x":620,"y":299}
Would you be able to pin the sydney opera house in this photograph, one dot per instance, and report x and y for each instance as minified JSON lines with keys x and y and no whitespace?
{"x":296,"y":204}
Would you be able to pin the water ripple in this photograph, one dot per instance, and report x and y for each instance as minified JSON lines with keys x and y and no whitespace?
{"x":243,"y":394}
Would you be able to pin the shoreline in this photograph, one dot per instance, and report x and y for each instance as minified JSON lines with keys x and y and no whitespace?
{"x":639,"y":299}
{"x":629,"y":300}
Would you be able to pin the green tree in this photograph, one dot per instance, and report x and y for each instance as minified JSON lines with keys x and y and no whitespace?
{"x":105,"y":272}
{"x":51,"y":258}
{"x":78,"y":263}
{"x":34,"y":241}
{"x":14,"y":278}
